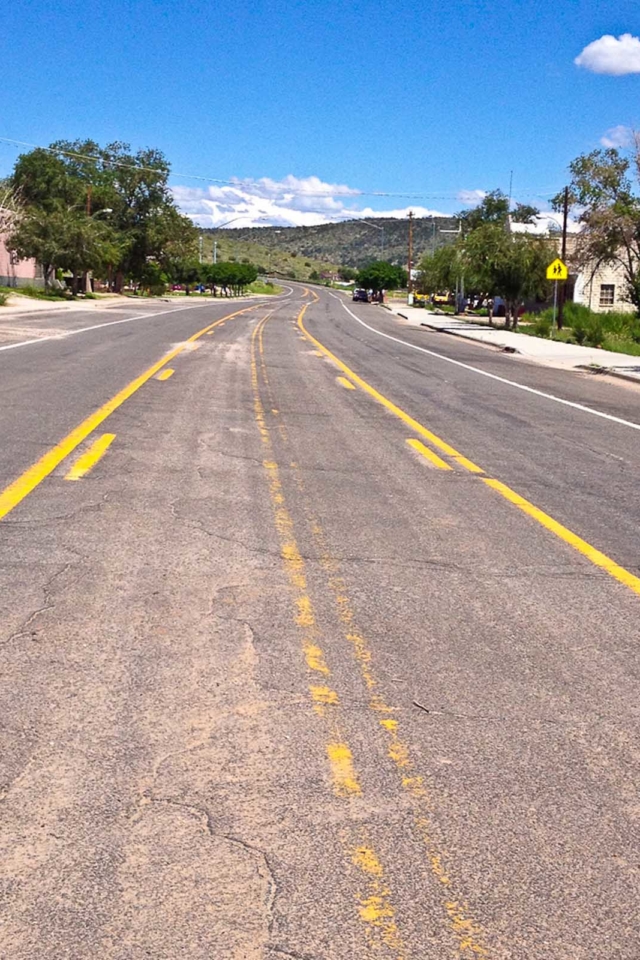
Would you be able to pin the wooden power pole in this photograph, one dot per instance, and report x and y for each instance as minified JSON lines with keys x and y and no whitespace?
{"x":410,"y":257}
{"x":563,"y":256}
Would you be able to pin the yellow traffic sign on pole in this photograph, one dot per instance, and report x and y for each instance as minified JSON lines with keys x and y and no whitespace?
{"x":557,"y":270}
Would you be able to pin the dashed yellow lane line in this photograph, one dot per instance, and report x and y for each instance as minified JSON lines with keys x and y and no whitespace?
{"x":375,"y":909}
{"x":89,"y":459}
{"x":23,"y":485}
{"x":591,"y":553}
{"x":429,"y":455}
{"x":165,"y":374}
{"x":345,"y":383}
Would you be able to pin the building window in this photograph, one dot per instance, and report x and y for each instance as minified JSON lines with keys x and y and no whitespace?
{"x":607,"y":294}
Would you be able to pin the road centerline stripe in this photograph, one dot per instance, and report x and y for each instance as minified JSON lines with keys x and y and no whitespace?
{"x":23,"y":485}
{"x":428,"y":454}
{"x":165,"y":374}
{"x":89,"y":459}
{"x":494,"y":376}
{"x":591,"y":553}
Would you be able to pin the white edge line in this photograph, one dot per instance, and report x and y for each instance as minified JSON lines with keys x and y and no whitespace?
{"x":494,"y":376}
{"x":114,"y":323}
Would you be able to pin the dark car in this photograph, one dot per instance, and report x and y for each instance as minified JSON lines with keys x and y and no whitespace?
{"x":361,"y":295}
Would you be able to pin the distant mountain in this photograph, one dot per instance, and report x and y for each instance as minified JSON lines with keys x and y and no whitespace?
{"x":352,"y":243}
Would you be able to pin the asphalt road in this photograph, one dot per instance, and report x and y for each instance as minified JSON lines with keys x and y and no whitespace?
{"x":277,"y":683}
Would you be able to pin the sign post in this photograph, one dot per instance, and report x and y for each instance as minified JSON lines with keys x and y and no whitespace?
{"x":556,"y":271}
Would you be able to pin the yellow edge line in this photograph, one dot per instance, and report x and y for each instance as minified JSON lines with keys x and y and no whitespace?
{"x":89,"y":459}
{"x":23,"y":485}
{"x":345,"y":383}
{"x":165,"y":374}
{"x":595,"y":556}
{"x":429,"y":454}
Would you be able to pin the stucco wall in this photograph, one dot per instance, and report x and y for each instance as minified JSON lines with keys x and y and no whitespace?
{"x":18,"y":273}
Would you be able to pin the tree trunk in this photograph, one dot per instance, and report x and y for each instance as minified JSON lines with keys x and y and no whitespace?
{"x":119,"y":284}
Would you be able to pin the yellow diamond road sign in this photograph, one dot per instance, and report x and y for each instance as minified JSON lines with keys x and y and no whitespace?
{"x":557,"y":270}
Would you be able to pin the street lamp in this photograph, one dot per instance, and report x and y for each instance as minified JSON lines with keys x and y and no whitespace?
{"x":381,"y":229}
{"x":219,"y":226}
{"x":460,"y":282}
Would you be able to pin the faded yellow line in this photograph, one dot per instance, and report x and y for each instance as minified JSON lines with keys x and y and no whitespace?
{"x":23,"y":485}
{"x":165,"y":374}
{"x":468,"y":932}
{"x":89,"y":459}
{"x":582,"y":546}
{"x":428,"y":454}
{"x":345,"y":383}
{"x":375,"y":908}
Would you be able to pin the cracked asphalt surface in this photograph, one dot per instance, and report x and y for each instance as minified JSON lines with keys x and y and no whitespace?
{"x":276,"y":685}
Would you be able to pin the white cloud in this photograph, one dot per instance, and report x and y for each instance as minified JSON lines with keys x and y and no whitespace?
{"x":611,"y":55}
{"x":619,"y":136}
{"x":290,"y":202}
{"x":470,"y":198}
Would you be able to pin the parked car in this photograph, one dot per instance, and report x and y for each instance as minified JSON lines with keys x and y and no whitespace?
{"x":361,"y":295}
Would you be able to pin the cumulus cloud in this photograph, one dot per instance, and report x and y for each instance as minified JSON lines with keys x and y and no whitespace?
{"x":619,"y":136}
{"x":470,"y":198}
{"x":290,"y":202}
{"x":615,"y":56}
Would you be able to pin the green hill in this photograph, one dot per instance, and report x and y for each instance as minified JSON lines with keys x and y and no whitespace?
{"x":350,"y":243}
{"x":277,"y":261}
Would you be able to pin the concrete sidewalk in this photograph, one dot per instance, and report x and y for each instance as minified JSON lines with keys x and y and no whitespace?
{"x":537,"y":349}
{"x":18,"y":305}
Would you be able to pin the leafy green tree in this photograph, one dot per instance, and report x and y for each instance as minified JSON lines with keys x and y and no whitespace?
{"x":63,"y":239}
{"x":441,"y":270}
{"x":381,"y":275}
{"x":511,"y":266}
{"x":84,"y":177}
{"x":347,"y":274}
{"x":495,"y":208}
{"x":602,"y":187}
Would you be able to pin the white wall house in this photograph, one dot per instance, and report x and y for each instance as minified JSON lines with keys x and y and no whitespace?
{"x":599,"y":289}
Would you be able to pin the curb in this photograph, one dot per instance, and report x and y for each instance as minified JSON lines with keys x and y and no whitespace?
{"x":500,"y":347}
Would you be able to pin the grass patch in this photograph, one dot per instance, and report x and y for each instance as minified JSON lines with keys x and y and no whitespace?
{"x":262,"y":287}
{"x":615,"y":331}
{"x":35,"y":293}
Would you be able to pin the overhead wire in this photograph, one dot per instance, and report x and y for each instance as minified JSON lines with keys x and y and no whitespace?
{"x":247,"y":185}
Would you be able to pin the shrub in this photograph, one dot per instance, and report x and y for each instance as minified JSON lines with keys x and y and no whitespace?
{"x":541,"y":325}
{"x":3,"y":298}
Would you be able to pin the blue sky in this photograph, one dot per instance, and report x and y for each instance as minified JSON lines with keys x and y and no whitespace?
{"x":430,"y":98}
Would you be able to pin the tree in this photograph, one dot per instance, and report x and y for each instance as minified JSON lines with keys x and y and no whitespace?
{"x":441,"y":270}
{"x":381,"y":275}
{"x":62,"y":239}
{"x":495,"y":208}
{"x":83,"y":177}
{"x":347,"y":274}
{"x":602,"y":188}
{"x":502,"y":264}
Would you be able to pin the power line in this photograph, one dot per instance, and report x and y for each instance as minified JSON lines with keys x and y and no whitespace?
{"x":246,"y":185}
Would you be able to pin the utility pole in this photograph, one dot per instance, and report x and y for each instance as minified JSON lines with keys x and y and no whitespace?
{"x":89,"y":201}
{"x":409,"y":261}
{"x":215,"y":251}
{"x":563,"y":257}
{"x":200,"y":244}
